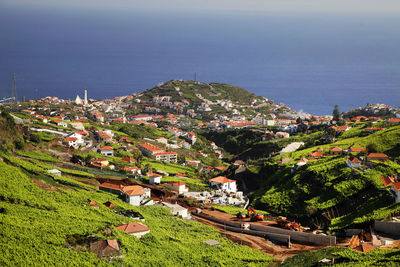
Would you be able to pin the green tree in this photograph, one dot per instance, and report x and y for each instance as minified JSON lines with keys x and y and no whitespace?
{"x":336,"y":113}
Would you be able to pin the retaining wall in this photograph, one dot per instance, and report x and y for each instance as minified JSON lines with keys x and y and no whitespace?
{"x":391,"y":228}
{"x":294,"y":236}
{"x":233,"y":224}
{"x":271,"y":236}
{"x":297,"y":236}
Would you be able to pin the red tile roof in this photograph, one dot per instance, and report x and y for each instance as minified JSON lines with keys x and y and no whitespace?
{"x":364,"y":247}
{"x":220,"y":168}
{"x":128,"y":159}
{"x":133,"y":190}
{"x":316,"y":154}
{"x":377,"y":155}
{"x":106,"y":148}
{"x":150,"y":147}
{"x":128,"y":169}
{"x":354,"y":160}
{"x":221,"y":180}
{"x":70,"y":139}
{"x":179,"y":183}
{"x":303,"y":160}
{"x":153,"y":174}
{"x":133,"y":227}
{"x":342,"y":128}
{"x":336,"y":149}
{"x":387,"y":180}
{"x":112,"y":186}
{"x":396,"y":186}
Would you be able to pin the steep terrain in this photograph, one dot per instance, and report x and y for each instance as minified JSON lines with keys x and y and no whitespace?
{"x":50,"y":220}
{"x":326,"y":192}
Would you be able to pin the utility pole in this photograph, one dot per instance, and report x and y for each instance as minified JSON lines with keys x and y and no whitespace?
{"x":14,"y":88}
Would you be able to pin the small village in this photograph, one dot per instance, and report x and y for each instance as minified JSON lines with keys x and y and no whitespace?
{"x":166,"y":163}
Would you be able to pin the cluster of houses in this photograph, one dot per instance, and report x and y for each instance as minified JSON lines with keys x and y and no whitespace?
{"x":355,"y":156}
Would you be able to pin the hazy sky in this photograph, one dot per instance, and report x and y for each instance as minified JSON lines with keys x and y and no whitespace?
{"x":377,"y":7}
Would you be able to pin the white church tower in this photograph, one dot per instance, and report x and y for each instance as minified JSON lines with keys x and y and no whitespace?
{"x":85,"y":100}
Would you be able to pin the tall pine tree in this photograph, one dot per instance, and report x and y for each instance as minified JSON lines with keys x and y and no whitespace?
{"x":336,"y":113}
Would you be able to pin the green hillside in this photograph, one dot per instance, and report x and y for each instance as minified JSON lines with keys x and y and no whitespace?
{"x":211,"y":91}
{"x":47,"y":221}
{"x":326,"y":192}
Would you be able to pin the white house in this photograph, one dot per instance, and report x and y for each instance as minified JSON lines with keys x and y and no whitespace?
{"x":136,"y":195}
{"x":392,"y":181}
{"x":176,"y":209}
{"x":154,"y":178}
{"x":107,"y":151}
{"x":179,"y":187}
{"x":61,"y":123}
{"x":302,"y":162}
{"x":55,"y":172}
{"x":282,"y":135}
{"x":353,"y":162}
{"x":133,"y":170}
{"x":224,"y":184}
{"x":79,"y":138}
{"x":134,"y":228}
{"x":170,"y":157}
{"x":71,"y":141}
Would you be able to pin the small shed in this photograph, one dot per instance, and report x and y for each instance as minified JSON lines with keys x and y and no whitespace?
{"x":134,"y":228}
{"x":54,"y":172}
{"x":176,"y":209}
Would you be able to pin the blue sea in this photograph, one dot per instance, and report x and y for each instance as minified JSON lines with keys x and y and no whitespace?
{"x":309,"y":62}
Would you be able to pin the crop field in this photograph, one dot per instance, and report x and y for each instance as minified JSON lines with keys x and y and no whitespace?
{"x":36,"y":224}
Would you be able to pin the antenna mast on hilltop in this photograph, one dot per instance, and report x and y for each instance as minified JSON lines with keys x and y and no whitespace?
{"x":195,"y":74}
{"x":14,"y":87}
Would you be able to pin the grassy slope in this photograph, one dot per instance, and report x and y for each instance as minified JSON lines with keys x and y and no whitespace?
{"x":36,"y":223}
{"x":328,"y":183}
{"x":346,"y":257}
{"x":190,"y":89}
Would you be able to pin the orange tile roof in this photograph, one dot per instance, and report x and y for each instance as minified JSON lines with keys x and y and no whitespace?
{"x":150,"y":147}
{"x":221,"y":180}
{"x":354,"y":160}
{"x":128,"y":159}
{"x":316,"y":154}
{"x":303,"y":160}
{"x":133,"y":227}
{"x":128,"y":169}
{"x":377,"y":155}
{"x":106,"y":148}
{"x":104,"y":135}
{"x":336,"y":149}
{"x":364,"y":247}
{"x":133,"y":190}
{"x":111,"y":186}
{"x":358,"y":149}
